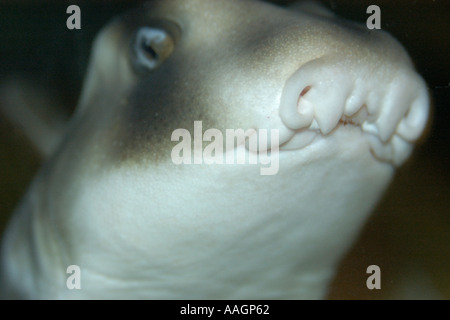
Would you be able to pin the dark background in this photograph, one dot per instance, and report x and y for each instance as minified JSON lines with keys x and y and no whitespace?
{"x":409,"y":234}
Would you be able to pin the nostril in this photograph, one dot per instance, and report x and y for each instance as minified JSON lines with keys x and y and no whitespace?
{"x":301,"y":102}
{"x":303,"y":108}
{"x":317,"y":91}
{"x":298,"y":99}
{"x":304,"y":91}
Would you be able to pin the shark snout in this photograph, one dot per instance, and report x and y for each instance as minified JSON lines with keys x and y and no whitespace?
{"x":390,"y":105}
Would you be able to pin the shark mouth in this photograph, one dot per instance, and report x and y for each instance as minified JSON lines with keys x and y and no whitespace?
{"x":390,"y":106}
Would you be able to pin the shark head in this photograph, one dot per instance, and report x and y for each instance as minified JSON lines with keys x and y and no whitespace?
{"x":146,"y":192}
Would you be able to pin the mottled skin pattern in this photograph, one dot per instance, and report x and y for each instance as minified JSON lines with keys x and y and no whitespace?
{"x":111,"y":201}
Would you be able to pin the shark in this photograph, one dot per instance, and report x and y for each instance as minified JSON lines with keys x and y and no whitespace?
{"x":346,"y":103}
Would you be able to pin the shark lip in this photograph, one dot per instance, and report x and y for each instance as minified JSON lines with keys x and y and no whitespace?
{"x":299,"y":140}
{"x":395,"y":150}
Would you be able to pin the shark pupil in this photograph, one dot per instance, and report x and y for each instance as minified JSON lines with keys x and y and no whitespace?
{"x":148,"y":49}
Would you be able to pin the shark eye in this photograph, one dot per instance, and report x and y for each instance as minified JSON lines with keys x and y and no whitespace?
{"x":151,"y":47}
